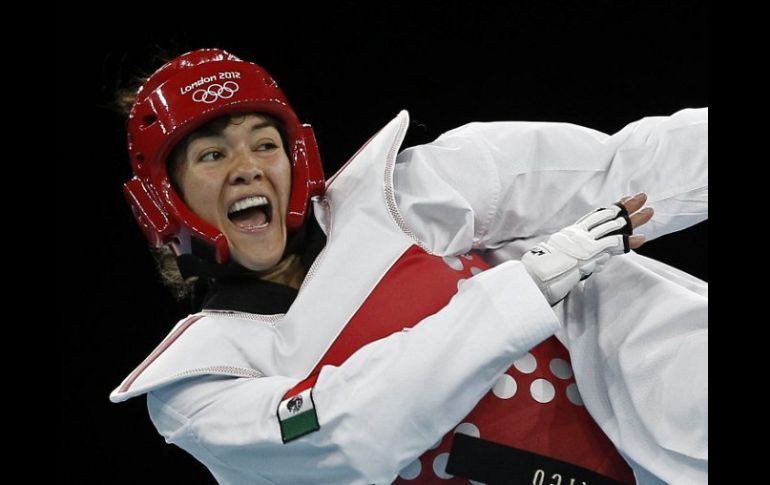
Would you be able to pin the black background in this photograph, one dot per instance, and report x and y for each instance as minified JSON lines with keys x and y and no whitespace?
{"x":347,"y":68}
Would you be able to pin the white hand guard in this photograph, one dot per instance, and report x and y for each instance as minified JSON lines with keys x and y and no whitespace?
{"x":573,"y":253}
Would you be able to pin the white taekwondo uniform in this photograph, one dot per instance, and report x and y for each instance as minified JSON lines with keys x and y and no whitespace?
{"x":402,"y":337}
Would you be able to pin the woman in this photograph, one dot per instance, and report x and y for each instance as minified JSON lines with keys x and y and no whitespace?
{"x":348,"y":364}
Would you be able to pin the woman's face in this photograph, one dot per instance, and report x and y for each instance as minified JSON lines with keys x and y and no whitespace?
{"x":238,"y":179}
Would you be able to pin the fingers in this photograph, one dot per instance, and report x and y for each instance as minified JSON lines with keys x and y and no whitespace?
{"x":637,"y":217}
{"x":612,"y":226}
{"x":633,"y":204}
{"x":641,"y":217}
{"x":635,"y":241}
{"x":598,"y":217}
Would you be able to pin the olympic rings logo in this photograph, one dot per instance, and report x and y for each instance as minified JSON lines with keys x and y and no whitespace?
{"x":213,"y":92}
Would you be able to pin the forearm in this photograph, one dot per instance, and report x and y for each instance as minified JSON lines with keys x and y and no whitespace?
{"x":570,"y":170}
{"x":420,"y":382}
{"x":503,"y":181}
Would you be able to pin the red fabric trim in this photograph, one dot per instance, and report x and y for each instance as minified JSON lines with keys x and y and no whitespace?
{"x":158,"y":351}
{"x":301,"y":386}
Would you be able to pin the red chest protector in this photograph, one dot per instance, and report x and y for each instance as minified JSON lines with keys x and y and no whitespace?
{"x":534,"y":406}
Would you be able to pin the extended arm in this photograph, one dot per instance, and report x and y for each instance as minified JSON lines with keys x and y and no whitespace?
{"x":490,"y":183}
{"x":379,"y":410}
{"x":637,"y":332}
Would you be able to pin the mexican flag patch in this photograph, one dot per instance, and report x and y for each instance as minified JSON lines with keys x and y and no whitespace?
{"x":296,"y":413}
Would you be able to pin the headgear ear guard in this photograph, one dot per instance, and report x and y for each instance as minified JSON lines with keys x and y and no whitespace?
{"x":180,"y":97}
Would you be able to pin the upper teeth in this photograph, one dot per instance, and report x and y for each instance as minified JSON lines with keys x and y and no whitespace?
{"x":242,"y":204}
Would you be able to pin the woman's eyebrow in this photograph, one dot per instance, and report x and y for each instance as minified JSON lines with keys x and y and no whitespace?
{"x":211,"y":132}
{"x":205,"y":132}
{"x":260,"y":125}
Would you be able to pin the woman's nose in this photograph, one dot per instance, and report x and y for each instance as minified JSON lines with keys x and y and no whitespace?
{"x":245,"y":170}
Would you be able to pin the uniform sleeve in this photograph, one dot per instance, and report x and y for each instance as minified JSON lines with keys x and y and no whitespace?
{"x":638,"y":339}
{"x":485,"y":184}
{"x":379,"y":410}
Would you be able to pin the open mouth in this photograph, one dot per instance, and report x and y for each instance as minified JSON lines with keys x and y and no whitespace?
{"x":251,"y":213}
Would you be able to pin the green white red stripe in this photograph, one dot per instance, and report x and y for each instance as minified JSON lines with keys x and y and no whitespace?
{"x":296,"y":413}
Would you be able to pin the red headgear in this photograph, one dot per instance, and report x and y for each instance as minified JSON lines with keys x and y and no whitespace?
{"x":180,"y":97}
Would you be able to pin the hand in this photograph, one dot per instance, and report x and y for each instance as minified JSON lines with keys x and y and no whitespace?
{"x":577,"y":251}
{"x":638,"y":217}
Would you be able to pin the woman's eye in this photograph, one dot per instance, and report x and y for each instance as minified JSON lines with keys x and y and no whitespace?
{"x":211,"y":156}
{"x":263,"y":147}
